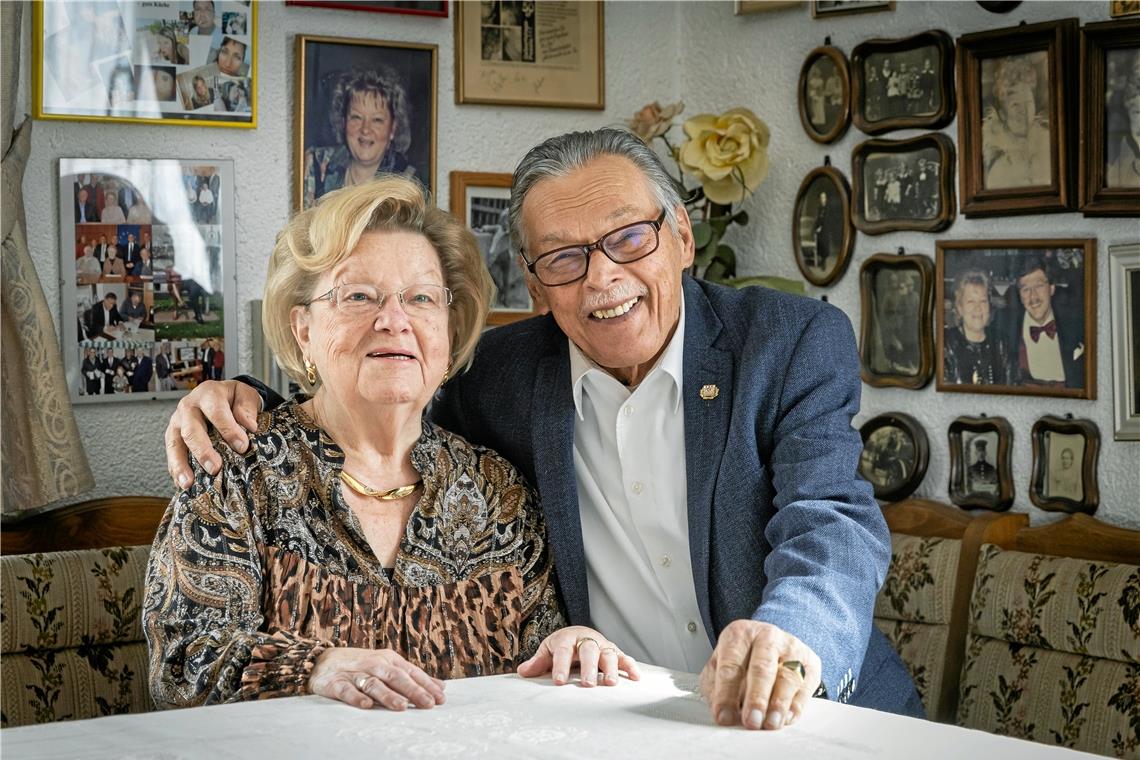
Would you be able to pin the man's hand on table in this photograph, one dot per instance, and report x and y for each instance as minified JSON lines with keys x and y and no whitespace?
{"x":229,"y":406}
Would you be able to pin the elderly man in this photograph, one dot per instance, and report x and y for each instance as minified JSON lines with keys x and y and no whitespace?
{"x":692,"y":445}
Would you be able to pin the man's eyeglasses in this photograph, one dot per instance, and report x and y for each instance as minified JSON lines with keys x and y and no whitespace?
{"x":361,"y":300}
{"x":624,"y":245}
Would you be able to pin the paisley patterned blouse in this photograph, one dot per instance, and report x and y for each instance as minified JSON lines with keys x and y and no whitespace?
{"x":255,"y":571}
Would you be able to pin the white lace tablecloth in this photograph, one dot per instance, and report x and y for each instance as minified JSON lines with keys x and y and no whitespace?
{"x":505,"y":717}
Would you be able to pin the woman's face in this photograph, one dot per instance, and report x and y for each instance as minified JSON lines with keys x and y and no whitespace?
{"x":973,"y":308}
{"x":165,"y":48}
{"x":383,"y":356}
{"x":163,"y":85}
{"x":200,"y":87}
{"x":368,"y":128}
{"x":231,"y":55}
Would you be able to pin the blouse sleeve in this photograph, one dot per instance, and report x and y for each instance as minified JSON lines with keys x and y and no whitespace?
{"x":542,"y":608}
{"x":204,"y":589}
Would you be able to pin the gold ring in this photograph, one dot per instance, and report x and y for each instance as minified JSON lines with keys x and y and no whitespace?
{"x":583,"y":639}
{"x":360,"y":682}
{"x":796,"y":667}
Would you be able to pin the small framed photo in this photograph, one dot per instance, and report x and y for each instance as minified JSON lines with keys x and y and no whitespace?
{"x":411,"y":7}
{"x":895,"y":455}
{"x":894,"y":339}
{"x":364,"y":107}
{"x":905,"y":83}
{"x":145,"y":63}
{"x":825,"y":94}
{"x":1122,"y":8}
{"x":980,"y":471}
{"x":904,"y":184}
{"x":1110,"y":119}
{"x":827,"y":8}
{"x":1124,"y":284}
{"x":482,"y":200}
{"x":1016,"y":119}
{"x":822,"y":235}
{"x":1017,"y":316}
{"x":1065,"y":455}
{"x":530,"y":54}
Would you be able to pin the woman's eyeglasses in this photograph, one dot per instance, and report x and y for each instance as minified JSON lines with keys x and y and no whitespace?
{"x":361,"y":299}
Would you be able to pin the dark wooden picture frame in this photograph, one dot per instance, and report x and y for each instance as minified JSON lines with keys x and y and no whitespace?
{"x":826,"y":10}
{"x":899,"y":354}
{"x":1058,"y":277}
{"x":896,"y":181}
{"x":1004,"y":172}
{"x":1065,"y":453}
{"x":808,"y":230}
{"x":974,"y":481}
{"x":817,"y":96}
{"x":437,"y":9}
{"x":1110,"y":143}
{"x":324,"y":159}
{"x":934,"y":83}
{"x":895,"y":455}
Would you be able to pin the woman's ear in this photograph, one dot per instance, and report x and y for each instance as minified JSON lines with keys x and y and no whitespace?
{"x":299,"y":322}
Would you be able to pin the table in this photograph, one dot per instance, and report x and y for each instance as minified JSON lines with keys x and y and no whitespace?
{"x":506,"y":717}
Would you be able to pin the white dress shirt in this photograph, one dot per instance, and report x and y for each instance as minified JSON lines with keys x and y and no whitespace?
{"x":1043,"y":356}
{"x":629,"y":463}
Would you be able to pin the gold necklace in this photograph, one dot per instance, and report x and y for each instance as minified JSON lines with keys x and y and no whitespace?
{"x":391,"y":494}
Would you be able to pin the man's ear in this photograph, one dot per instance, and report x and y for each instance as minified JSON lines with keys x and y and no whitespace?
{"x":685,"y":235}
{"x":534,"y":287}
{"x":299,"y":322}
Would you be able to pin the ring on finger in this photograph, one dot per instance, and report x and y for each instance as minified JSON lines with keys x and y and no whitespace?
{"x":361,"y":682}
{"x":608,"y":650}
{"x":796,"y":667}
{"x":583,"y":639}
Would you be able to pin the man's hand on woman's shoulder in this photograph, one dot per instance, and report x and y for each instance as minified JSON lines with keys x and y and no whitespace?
{"x":228,"y":406}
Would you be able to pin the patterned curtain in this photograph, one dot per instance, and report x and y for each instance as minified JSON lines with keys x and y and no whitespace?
{"x":41,"y":456}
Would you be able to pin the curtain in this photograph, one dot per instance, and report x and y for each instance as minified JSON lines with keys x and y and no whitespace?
{"x":41,"y":456}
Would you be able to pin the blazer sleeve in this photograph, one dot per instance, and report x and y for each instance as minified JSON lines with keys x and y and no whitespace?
{"x":830,"y":543}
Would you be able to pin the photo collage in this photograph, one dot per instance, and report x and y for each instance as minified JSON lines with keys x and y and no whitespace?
{"x":149,"y":307}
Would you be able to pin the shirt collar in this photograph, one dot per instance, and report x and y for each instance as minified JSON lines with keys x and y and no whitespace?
{"x":671,"y":361}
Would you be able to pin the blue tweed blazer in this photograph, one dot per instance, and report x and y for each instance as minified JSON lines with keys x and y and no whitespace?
{"x":780,"y":527}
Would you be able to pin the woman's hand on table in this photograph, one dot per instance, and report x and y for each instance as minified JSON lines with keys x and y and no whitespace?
{"x":593,"y":652}
{"x":365,"y":678}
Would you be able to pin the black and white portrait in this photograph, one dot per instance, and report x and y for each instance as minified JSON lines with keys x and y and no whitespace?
{"x":821,"y":226}
{"x":902,"y":83}
{"x":1065,"y":455}
{"x":888,"y":458}
{"x":823,"y":94}
{"x":1016,"y":136}
{"x":488,"y":218}
{"x":507,"y":30}
{"x":895,"y":334}
{"x":902,"y":185}
{"x":1122,"y":118}
{"x":980,"y":453}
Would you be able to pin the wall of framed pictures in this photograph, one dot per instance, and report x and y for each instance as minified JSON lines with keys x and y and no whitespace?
{"x":721,"y":60}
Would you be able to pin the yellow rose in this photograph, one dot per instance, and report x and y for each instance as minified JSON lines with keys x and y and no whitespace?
{"x":728,"y":154}
{"x":654,"y":120}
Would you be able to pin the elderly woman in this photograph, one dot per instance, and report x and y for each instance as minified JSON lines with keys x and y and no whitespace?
{"x":1015,"y":134}
{"x":112,"y":212}
{"x":369,"y":114}
{"x":972,"y":356}
{"x":356,"y":550}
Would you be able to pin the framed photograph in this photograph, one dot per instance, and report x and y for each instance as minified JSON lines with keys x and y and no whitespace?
{"x":825,"y":94}
{"x":147,"y":265}
{"x":895,"y":455}
{"x":822,"y":235}
{"x":364,"y":107}
{"x":482,"y":200}
{"x":980,"y":471}
{"x":1016,"y":118}
{"x":1065,"y":454}
{"x":530,"y":54}
{"x":826,"y":8}
{"x":896,"y":292}
{"x":146,"y":63}
{"x":411,"y":7}
{"x":1110,"y":119}
{"x":904,"y":184}
{"x":1121,"y":8}
{"x":265,"y":364}
{"x":1124,"y":284}
{"x":1017,"y":316}
{"x":905,"y":83}
{"x":745,"y":7}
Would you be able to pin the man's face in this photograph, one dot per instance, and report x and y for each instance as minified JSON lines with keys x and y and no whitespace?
{"x":608,"y":193}
{"x":230,"y":58}
{"x":130,"y":238}
{"x":1036,"y":294}
{"x":109,"y":302}
{"x":82,"y":197}
{"x":136,"y":299}
{"x":204,"y":16}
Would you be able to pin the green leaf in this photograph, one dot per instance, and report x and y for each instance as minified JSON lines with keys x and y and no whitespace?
{"x":716,"y":272}
{"x":741,"y":217}
{"x":702,"y":234}
{"x":726,"y":256}
{"x":704,"y":256}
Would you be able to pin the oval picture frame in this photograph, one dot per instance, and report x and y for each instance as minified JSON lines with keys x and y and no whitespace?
{"x":891,"y":478}
{"x":807,"y":227}
{"x":820,"y":102}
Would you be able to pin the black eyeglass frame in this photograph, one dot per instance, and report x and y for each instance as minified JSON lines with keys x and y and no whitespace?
{"x":589,"y":248}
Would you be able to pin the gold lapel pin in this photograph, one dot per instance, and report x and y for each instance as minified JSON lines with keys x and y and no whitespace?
{"x":709,"y":392}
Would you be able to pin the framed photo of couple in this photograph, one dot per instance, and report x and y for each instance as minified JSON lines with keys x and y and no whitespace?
{"x":189,"y":63}
{"x":1016,"y":316}
{"x":147,"y":263}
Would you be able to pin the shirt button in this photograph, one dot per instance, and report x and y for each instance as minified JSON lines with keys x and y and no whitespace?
{"x":666,"y":560}
{"x":692,"y":627}
{"x":628,"y":411}
{"x":637,"y":486}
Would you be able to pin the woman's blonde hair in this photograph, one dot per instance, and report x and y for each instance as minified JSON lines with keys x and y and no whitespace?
{"x":319,"y":238}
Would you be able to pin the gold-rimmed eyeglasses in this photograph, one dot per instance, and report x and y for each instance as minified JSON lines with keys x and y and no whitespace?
{"x":362,"y":299}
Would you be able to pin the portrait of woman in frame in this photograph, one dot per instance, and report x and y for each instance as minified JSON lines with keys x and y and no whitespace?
{"x":1110,"y":119}
{"x":822,"y":235}
{"x":1065,"y":453}
{"x":981,"y":475}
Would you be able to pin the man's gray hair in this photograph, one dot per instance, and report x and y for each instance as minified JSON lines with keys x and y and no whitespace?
{"x":559,"y":156}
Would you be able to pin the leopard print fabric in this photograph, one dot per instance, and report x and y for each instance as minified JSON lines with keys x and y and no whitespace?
{"x":255,"y":571}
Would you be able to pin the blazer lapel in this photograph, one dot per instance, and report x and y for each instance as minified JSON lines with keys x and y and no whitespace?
{"x":707,"y":396}
{"x":552,"y":440}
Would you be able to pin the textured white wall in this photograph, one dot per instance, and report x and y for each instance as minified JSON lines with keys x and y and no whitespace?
{"x":698,"y":51}
{"x":754,"y":61}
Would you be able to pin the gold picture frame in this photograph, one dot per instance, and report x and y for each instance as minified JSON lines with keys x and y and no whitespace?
{"x":514,"y":61}
{"x":94,"y":68}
